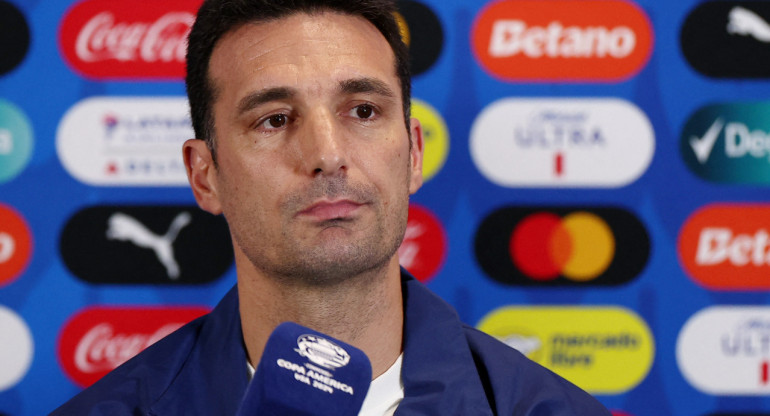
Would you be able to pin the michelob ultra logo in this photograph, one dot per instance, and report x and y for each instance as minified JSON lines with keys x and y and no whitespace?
{"x":579,"y":142}
{"x":729,"y":143}
{"x":562,"y":40}
{"x":727,"y":247}
{"x":561,"y":246}
{"x":724,"y":350}
{"x":604,"y":350}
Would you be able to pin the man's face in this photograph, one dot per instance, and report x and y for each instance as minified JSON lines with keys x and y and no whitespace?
{"x":314,"y":162}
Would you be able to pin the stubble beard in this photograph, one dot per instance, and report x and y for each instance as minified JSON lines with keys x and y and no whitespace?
{"x":337,"y":260}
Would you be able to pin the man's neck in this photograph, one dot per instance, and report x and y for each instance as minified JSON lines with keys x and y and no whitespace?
{"x":365,"y":311}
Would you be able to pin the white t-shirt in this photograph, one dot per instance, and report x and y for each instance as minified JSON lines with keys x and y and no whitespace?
{"x":385,"y":392}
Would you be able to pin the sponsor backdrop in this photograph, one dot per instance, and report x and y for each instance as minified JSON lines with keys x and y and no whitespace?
{"x":597,"y":182}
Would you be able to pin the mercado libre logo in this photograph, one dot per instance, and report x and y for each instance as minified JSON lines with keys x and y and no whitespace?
{"x":546,"y":142}
{"x":728,"y":39}
{"x":562,"y":40}
{"x":727,"y":246}
{"x":562,"y":246}
{"x":105,"y":39}
{"x":146,"y":245}
{"x":585,"y":345}
{"x":723,"y":350}
{"x":16,"y":141}
{"x":729,"y":143}
{"x":421,"y":31}
{"x":424,"y":247}
{"x":435,"y":138}
{"x":15,"y":245}
{"x":98,"y":339}
{"x":14,"y":37}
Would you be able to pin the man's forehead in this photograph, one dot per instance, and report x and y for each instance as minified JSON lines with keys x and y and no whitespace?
{"x":273,"y":51}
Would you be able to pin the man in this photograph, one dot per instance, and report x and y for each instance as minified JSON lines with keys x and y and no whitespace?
{"x":305,"y":145}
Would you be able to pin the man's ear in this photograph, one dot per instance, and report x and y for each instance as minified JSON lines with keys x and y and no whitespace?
{"x":416,"y":154}
{"x":202,"y":175}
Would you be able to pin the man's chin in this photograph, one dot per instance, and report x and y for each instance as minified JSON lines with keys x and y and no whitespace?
{"x":335,"y":265}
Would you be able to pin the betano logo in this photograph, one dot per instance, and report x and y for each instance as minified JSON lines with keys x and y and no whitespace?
{"x":577,"y":142}
{"x":585,"y":345}
{"x":562,"y":40}
{"x":729,"y":143}
{"x":727,"y":247}
{"x":561,"y":246}
{"x":125,"y":141}
{"x":122,"y":40}
{"x":15,"y":244}
{"x":724,"y":350}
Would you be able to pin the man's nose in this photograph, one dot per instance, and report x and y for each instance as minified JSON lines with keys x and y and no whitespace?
{"x":322,"y":145}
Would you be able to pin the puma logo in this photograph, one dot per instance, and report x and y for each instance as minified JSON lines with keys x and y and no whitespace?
{"x":123,"y":227}
{"x":745,"y":22}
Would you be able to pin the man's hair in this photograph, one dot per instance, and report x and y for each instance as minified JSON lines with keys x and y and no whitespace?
{"x":218,"y":17}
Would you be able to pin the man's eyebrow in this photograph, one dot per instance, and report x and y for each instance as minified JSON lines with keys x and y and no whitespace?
{"x":366,"y":85}
{"x":258,"y":98}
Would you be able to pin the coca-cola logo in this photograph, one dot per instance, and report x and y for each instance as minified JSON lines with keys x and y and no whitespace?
{"x":424,"y":247}
{"x":106,"y":39}
{"x":97,"y":340}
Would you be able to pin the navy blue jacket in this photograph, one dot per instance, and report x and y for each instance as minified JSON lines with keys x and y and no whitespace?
{"x":448,"y":368}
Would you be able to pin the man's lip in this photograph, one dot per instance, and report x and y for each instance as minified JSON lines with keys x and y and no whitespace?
{"x":329,"y":210}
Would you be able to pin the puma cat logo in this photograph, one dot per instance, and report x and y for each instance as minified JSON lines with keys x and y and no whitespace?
{"x":123,"y":227}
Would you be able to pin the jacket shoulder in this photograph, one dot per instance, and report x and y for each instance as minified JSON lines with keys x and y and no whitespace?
{"x":135,"y":385}
{"x":516,"y":385}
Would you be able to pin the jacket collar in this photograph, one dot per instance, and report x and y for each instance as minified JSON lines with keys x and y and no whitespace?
{"x":439,"y":374}
{"x":438,"y":371}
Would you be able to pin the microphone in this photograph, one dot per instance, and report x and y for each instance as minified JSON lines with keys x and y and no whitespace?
{"x":304,"y":372}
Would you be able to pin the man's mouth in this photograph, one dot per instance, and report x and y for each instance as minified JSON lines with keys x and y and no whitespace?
{"x":331,"y":210}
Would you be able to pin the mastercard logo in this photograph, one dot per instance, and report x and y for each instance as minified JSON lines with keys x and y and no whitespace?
{"x":562,"y":246}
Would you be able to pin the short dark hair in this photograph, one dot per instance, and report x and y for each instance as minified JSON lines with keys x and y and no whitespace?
{"x":218,"y":17}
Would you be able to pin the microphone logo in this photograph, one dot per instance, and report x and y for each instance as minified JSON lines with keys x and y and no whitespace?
{"x":322,"y":352}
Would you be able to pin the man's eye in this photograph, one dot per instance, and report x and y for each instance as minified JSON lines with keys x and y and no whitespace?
{"x":275,"y":121}
{"x":364,"y":111}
